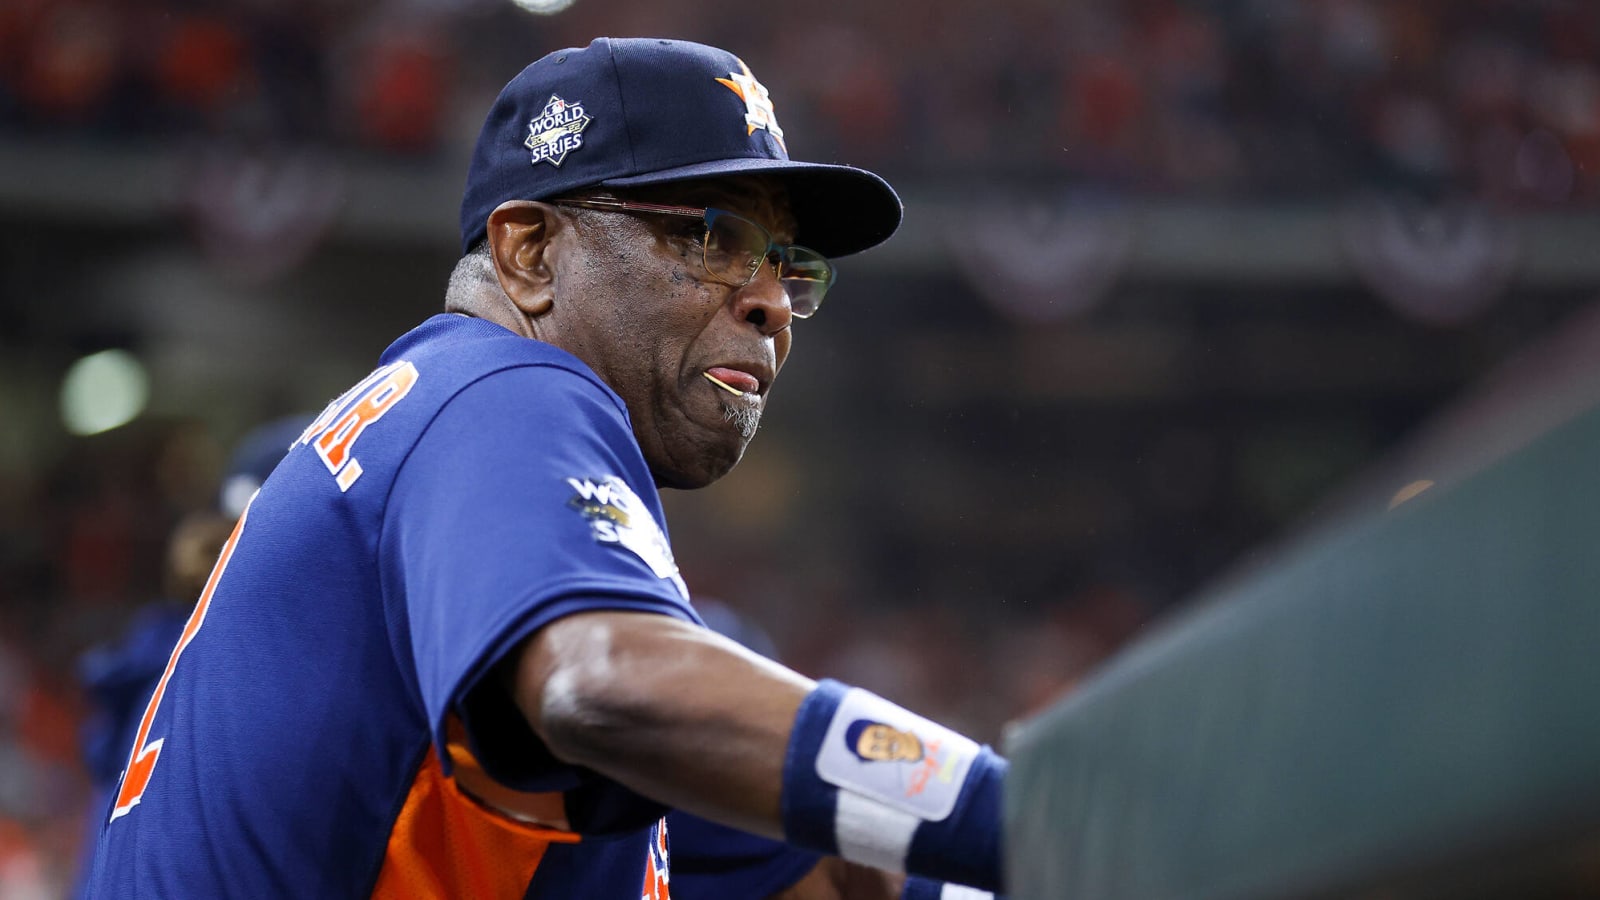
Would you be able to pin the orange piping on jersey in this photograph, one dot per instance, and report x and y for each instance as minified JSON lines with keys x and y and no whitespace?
{"x":447,"y":844}
{"x":548,"y":809}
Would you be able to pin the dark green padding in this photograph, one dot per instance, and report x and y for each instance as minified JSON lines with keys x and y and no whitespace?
{"x":1414,"y":693}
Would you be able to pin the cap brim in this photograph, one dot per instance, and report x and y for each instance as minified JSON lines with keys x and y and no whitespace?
{"x":840,"y":210}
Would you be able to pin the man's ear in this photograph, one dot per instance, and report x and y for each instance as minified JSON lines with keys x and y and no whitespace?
{"x":519,"y":233}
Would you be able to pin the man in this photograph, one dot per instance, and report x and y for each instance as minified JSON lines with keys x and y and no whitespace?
{"x":446,"y":651}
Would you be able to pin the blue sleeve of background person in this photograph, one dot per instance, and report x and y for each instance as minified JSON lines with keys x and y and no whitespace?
{"x":711,"y":861}
{"x":483,"y":544}
{"x":118,"y":679}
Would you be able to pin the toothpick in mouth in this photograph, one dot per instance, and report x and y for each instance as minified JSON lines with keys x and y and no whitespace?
{"x":721,"y":384}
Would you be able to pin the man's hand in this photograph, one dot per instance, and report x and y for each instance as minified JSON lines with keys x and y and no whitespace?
{"x":835,"y":879}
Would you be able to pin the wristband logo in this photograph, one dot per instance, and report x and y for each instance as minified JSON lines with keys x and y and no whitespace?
{"x":880,"y":742}
{"x":876,"y":742}
{"x":891,"y":755}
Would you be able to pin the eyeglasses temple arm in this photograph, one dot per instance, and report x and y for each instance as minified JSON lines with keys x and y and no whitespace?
{"x":607,"y":203}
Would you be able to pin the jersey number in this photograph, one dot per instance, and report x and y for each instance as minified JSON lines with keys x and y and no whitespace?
{"x":142,"y":762}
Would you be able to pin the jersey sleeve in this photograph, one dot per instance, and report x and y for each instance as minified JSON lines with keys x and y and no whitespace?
{"x":525,"y":499}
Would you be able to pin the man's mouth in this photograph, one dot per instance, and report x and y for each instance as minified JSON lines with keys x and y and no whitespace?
{"x":734,"y":381}
{"x":723,"y":384}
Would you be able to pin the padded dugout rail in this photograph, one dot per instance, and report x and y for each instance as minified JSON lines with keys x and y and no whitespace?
{"x":1407,"y":705}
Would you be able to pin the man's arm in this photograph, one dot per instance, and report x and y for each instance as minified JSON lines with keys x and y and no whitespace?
{"x":671,"y":710}
{"x":687,"y":717}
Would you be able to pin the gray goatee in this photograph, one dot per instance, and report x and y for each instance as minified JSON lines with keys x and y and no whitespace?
{"x":744,"y":416}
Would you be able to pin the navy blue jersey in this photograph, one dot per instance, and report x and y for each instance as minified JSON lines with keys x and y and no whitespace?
{"x":316,"y":731}
{"x":715,"y":862}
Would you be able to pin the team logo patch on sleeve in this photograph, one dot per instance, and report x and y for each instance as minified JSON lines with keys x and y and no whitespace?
{"x":556,"y":131}
{"x":895,"y":756}
{"x":617,"y":516}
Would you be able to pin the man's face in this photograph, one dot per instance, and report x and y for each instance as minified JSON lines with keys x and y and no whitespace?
{"x":635,"y":303}
{"x":881,"y":743}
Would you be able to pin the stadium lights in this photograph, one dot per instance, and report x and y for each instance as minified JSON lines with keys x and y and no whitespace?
{"x":543,"y":7}
{"x":103,"y":391}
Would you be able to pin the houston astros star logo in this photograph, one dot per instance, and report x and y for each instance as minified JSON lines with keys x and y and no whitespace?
{"x":757,"y":103}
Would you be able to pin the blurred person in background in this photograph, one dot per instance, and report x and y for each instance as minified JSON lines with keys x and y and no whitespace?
{"x":118,"y":676}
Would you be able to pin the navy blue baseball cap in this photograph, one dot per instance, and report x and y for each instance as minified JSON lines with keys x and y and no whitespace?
{"x":625,"y":112}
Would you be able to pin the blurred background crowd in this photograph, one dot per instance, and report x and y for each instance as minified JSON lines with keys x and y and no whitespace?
{"x":1252,"y":98}
{"x":1176,"y":276}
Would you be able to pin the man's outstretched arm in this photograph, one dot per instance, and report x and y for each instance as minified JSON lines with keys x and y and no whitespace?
{"x":692,"y":719}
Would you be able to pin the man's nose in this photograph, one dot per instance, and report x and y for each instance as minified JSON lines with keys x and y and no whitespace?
{"x":764,"y":302}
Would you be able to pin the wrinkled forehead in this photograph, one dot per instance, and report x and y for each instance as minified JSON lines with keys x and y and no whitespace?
{"x":760,"y":198}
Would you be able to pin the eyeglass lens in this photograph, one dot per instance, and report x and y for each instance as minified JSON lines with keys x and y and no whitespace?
{"x":736,"y":247}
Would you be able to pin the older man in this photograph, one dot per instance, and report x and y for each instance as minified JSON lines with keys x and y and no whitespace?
{"x":446,"y":651}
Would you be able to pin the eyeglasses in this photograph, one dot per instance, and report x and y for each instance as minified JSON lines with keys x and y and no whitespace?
{"x":734,"y":248}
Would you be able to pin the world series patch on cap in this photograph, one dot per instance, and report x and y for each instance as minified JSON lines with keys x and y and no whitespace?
{"x":625,"y":112}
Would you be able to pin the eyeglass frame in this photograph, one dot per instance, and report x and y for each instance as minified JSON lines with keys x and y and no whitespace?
{"x":706,"y":214}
